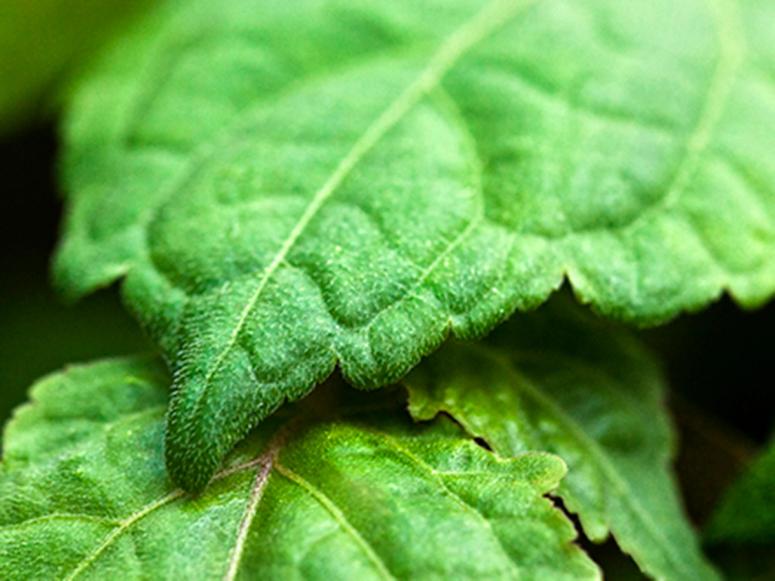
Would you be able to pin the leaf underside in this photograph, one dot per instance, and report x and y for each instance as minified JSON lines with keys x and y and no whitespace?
{"x":561,"y":382}
{"x":84,"y":494}
{"x":288,"y":186}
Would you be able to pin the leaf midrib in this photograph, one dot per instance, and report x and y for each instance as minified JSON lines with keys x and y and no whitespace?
{"x":127,"y":523}
{"x":266,"y":461}
{"x":629,"y":400}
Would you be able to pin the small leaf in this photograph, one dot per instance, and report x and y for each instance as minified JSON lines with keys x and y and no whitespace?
{"x":746,"y":514}
{"x":292,"y":185}
{"x":84,"y":494}
{"x":585,"y":391}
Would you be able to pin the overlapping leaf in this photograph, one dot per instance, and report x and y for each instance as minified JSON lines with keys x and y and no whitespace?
{"x":588,"y":393}
{"x":84,"y":494}
{"x":291,"y":185}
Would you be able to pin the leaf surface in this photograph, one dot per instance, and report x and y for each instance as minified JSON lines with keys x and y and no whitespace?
{"x":561,"y":382}
{"x":288,"y":186}
{"x":84,"y":494}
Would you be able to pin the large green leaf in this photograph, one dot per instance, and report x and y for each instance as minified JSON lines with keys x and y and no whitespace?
{"x":84,"y":493}
{"x":288,"y":185}
{"x":588,"y":393}
{"x":747,"y":512}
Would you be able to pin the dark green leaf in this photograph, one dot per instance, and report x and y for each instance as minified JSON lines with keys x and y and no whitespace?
{"x":584,"y":390}
{"x":747,"y":512}
{"x":84,"y":493}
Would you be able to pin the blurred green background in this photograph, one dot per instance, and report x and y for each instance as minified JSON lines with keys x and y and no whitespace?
{"x":38,"y":332}
{"x":42,"y":42}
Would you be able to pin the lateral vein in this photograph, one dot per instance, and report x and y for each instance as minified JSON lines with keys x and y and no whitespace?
{"x":621,"y":486}
{"x":125,"y":524}
{"x":731,"y":55}
{"x":339,"y":516}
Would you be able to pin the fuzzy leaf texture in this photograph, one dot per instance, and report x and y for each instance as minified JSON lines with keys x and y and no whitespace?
{"x":559,"y":381}
{"x":84,"y":494}
{"x":746,"y":514}
{"x":290,"y":186}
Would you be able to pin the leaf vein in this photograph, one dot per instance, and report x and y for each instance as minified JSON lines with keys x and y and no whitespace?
{"x":339,"y":516}
{"x":593,"y":448}
{"x":266,"y":462}
{"x":485,"y":22}
{"x":437,"y":477}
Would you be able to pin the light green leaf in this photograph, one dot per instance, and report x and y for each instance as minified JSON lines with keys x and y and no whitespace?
{"x":84,"y":494}
{"x":747,"y":511}
{"x":585,"y":391}
{"x":291,"y":185}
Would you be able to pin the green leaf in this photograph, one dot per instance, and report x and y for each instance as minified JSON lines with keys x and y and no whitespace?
{"x":84,"y":494}
{"x":579,"y":388}
{"x":288,"y":186}
{"x":747,"y":511}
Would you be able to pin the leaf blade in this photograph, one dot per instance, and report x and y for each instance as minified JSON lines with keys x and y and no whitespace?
{"x":586,"y":392}
{"x":335,"y":495}
{"x":194,"y":474}
{"x":529,"y":162}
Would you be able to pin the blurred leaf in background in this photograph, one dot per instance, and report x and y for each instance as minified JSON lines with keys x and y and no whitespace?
{"x":747,"y":512}
{"x":43,"y":40}
{"x":741,"y":533}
